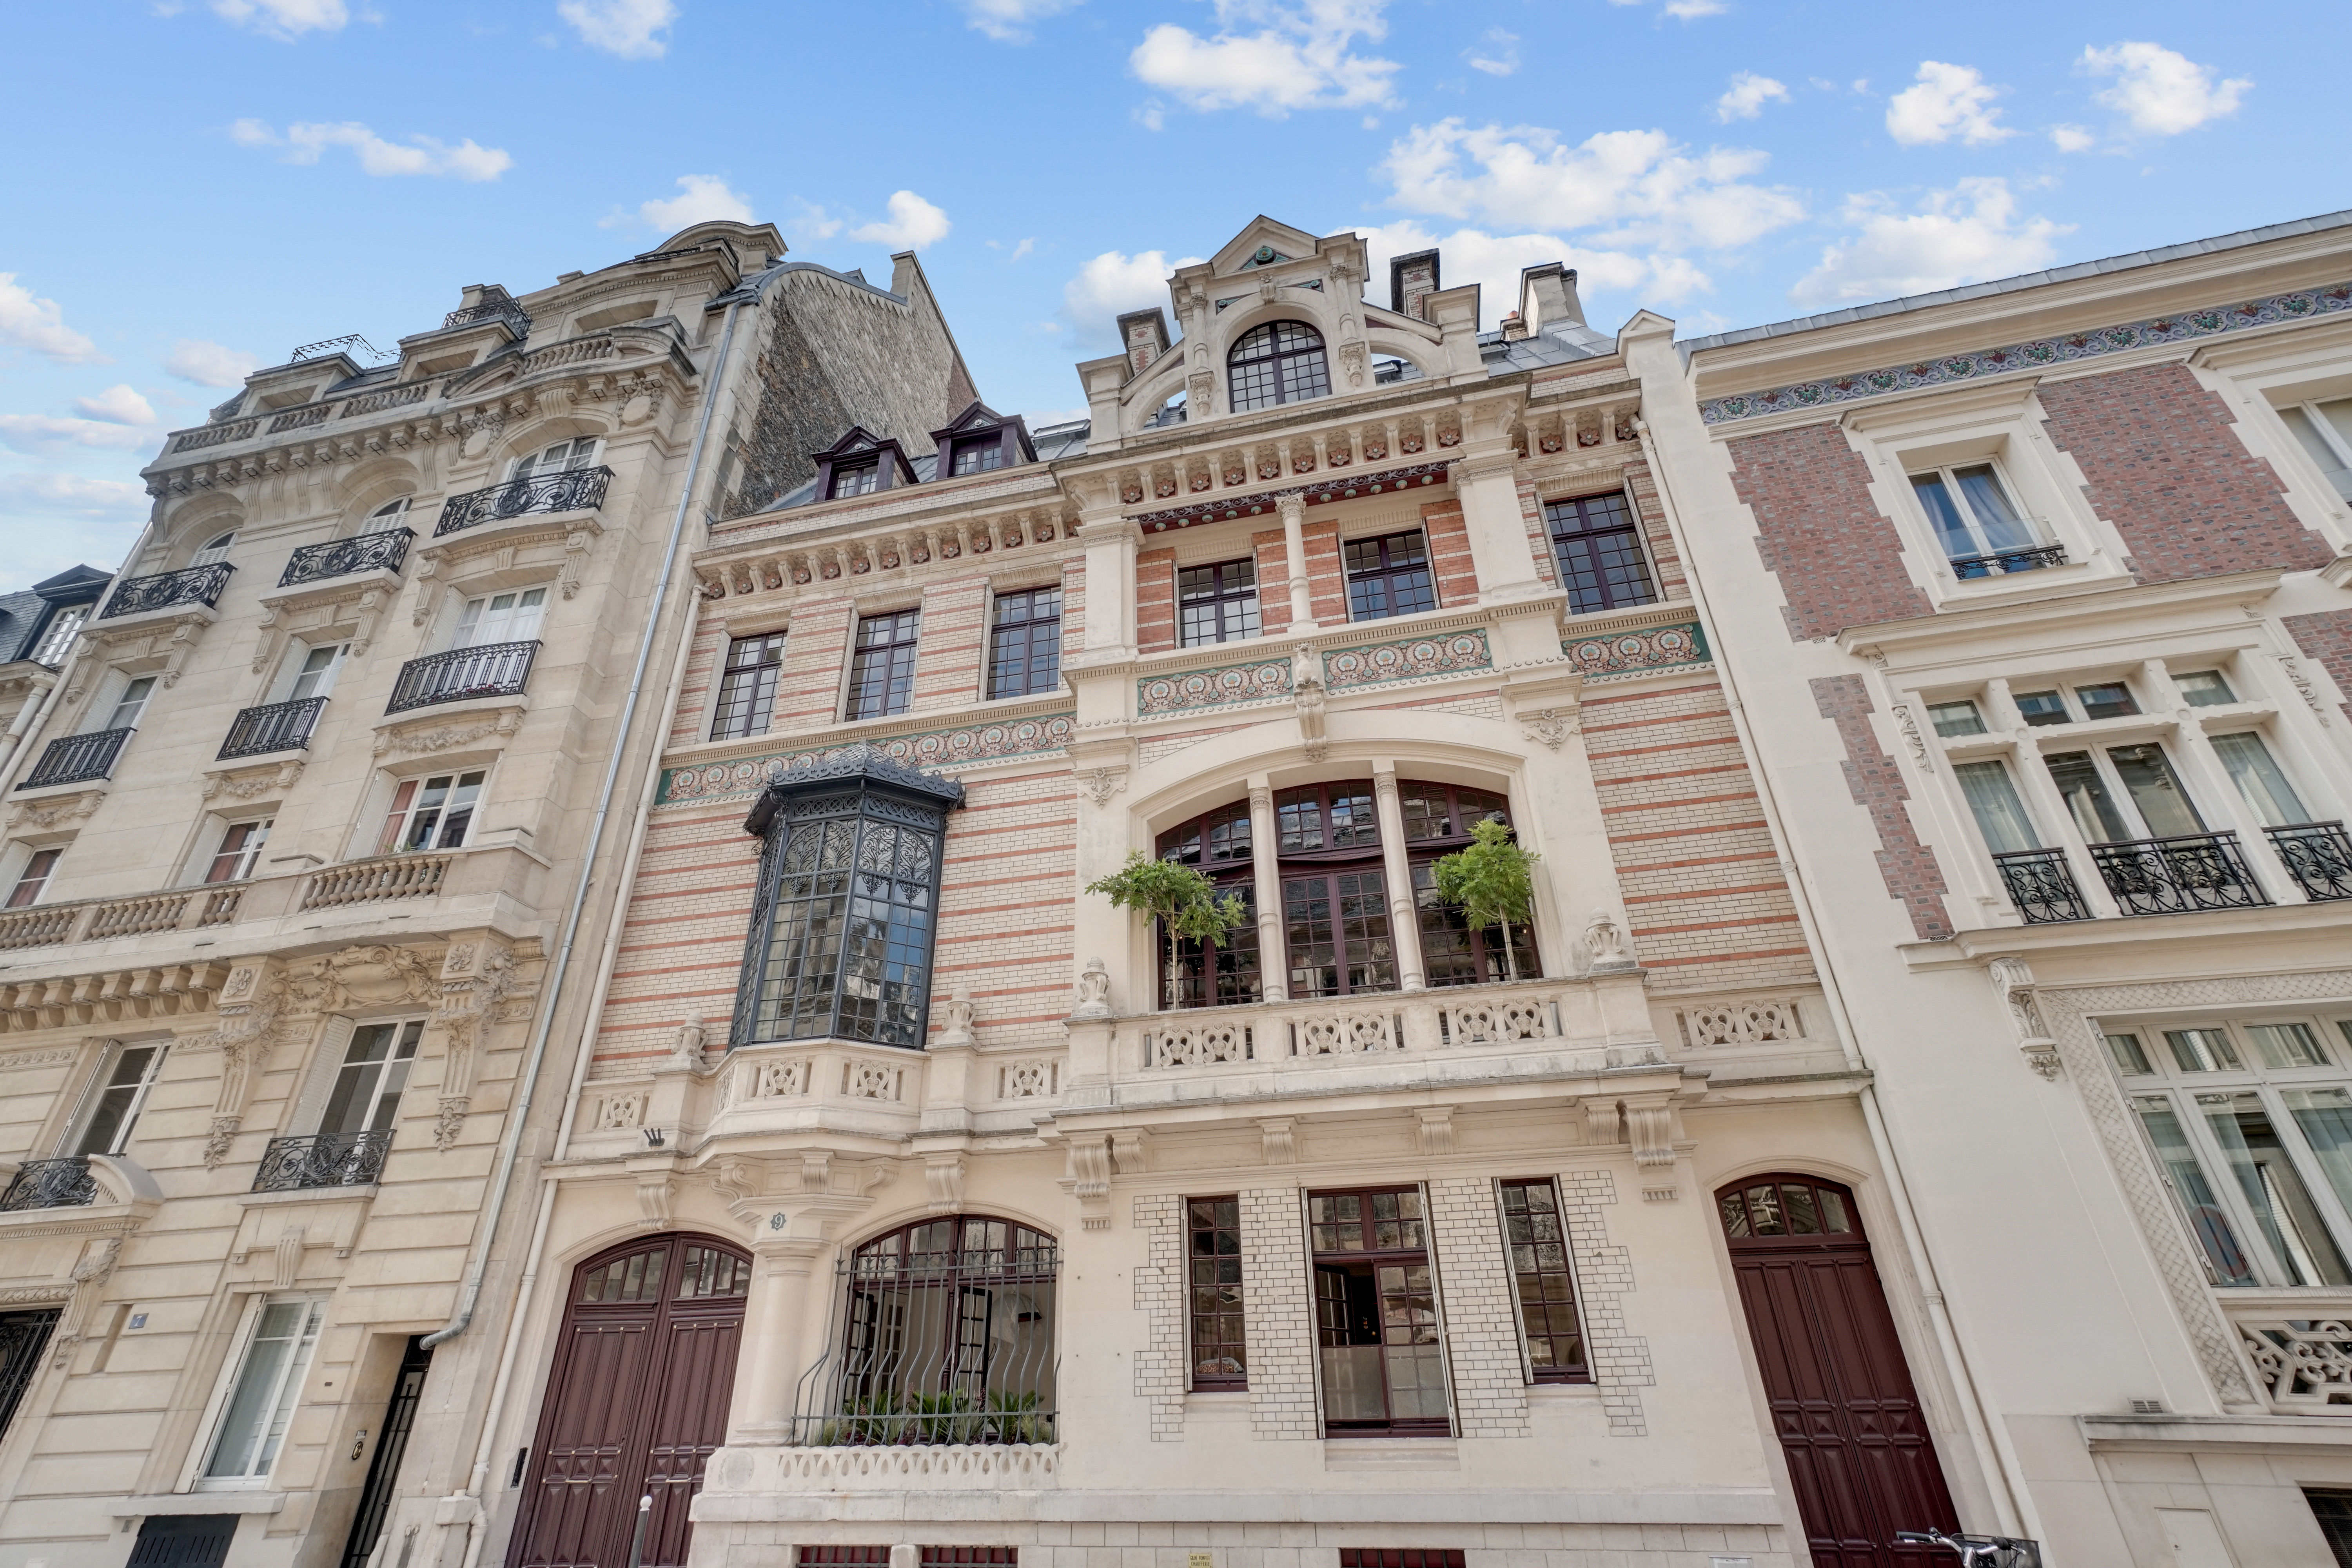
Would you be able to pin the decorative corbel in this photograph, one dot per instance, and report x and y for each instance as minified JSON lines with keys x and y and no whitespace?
{"x":475,"y":975}
{"x":265,"y":648}
{"x":371,"y":603}
{"x":1650,"y":1128}
{"x":1434,"y":1127}
{"x":1128,"y":1150}
{"x":943,"y":1174}
{"x":429,"y":589}
{"x":2013,"y":980}
{"x":1306,"y":695}
{"x":1089,"y":1181}
{"x":1278,"y":1140}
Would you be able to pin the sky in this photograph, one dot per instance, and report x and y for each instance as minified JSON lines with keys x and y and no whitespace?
{"x":199,"y":186}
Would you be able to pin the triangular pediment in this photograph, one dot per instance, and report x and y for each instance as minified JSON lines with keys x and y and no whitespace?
{"x":856,"y":439}
{"x":1262,"y":242}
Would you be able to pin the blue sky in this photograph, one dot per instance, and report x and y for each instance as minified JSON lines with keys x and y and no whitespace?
{"x":202,"y":184}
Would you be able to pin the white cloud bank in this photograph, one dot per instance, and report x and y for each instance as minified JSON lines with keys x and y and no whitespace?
{"x":305,"y":142}
{"x":1747,"y":96}
{"x":622,"y":27}
{"x":209,"y":363}
{"x":46,"y":434}
{"x":1965,"y":235}
{"x":2159,"y":93}
{"x":38,"y":324}
{"x":119,"y":404}
{"x":1009,"y":21}
{"x":1497,"y":54}
{"x":700,"y":199}
{"x":913,"y":224}
{"x":1113,"y":284}
{"x":1949,"y":100}
{"x":1299,"y":56}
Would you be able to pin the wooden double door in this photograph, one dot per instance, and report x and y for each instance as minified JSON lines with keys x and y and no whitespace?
{"x":1859,"y":1456}
{"x":637,"y":1403}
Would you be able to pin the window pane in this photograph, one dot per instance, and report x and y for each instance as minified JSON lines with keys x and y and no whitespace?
{"x":34,"y":877}
{"x":2087,"y":799}
{"x":2260,"y":779}
{"x":2148,"y":775}
{"x":2130,"y":1057}
{"x":2325,"y":1116}
{"x":2041,"y":708}
{"x":2001,"y":815}
{"x":1026,"y":653}
{"x":1943,"y":513}
{"x":1219,"y":603}
{"x":2111,"y":700}
{"x":2286,"y":1045}
{"x":1219,"y":1349}
{"x":2200,"y":1210}
{"x":1536,"y":1248}
{"x":1599,"y":550}
{"x":1956,"y":719}
{"x":2283,"y":1207}
{"x":882,"y":672}
{"x":2203,"y":1050}
{"x":1996,"y":518}
{"x":1389,"y":577}
{"x":115,"y":1113}
{"x":747,"y":686}
{"x":268,"y":1387}
{"x":2204,"y":688}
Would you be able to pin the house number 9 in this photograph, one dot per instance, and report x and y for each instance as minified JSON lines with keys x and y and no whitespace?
{"x":775,"y":1222}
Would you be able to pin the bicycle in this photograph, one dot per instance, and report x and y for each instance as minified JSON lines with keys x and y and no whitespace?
{"x":1977,"y":1550}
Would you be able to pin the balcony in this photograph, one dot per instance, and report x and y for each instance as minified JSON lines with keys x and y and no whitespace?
{"x":77,"y":759}
{"x":382,"y":552}
{"x":490,"y":669}
{"x":2041,"y":885}
{"x":2318,"y":857}
{"x":337,"y":1160}
{"x":374,"y":881}
{"x":279,"y":727}
{"x":95,"y":920}
{"x":195,"y":585}
{"x":2174,"y":876}
{"x":2299,"y":1347}
{"x":575,"y":490}
{"x":2002,"y":563}
{"x":50,"y":1184}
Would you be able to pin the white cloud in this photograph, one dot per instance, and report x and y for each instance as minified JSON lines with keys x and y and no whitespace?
{"x":117,"y":404}
{"x":1966,"y":234}
{"x":1008,"y":21}
{"x":1493,"y":261}
{"x":40,"y":325}
{"x":71,"y":495}
{"x":1949,"y":100}
{"x":1017,"y":253}
{"x":914,"y":223}
{"x":285,"y":19}
{"x":1497,"y":54}
{"x":210,"y":364}
{"x":1747,"y":96}
{"x":813,"y":223}
{"x":1639,"y":186}
{"x":2161,"y":92}
{"x":1114,"y":283}
{"x":1298,"y":58}
{"x":2071,"y":138}
{"x":45,"y":433}
{"x":55,"y":520}
{"x":1691,"y":10}
{"x":703,"y":197}
{"x":622,"y":28}
{"x":422,"y":156}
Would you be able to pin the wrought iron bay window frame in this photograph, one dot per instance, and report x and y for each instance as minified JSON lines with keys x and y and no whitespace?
{"x":868,"y":789}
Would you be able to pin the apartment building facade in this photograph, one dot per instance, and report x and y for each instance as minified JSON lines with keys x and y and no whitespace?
{"x":2038,"y":598}
{"x":298,"y":839}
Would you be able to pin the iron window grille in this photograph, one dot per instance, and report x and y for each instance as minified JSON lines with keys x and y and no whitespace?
{"x":2002,"y":563}
{"x":2318,"y":857}
{"x":567,"y":490}
{"x":1380,"y":1344}
{"x":61,"y":1184}
{"x":747,"y":686}
{"x":1219,"y":1353}
{"x":278,"y":727}
{"x":486,"y":669}
{"x":942,"y":1332}
{"x":2171,"y":876}
{"x":328,"y":1160}
{"x":1024,"y":655}
{"x":1390,"y":576}
{"x":844,"y":914}
{"x":1399,"y":1557}
{"x":189,"y":586}
{"x":1218,"y":603}
{"x":844,"y":1557}
{"x":1281,"y":362}
{"x":76,"y":759}
{"x":381,"y":552}
{"x":24,"y":1337}
{"x":969,"y":1557}
{"x":2042,"y":885}
{"x":882,"y":669}
{"x":1543,"y":1281}
{"x":1598,"y":544}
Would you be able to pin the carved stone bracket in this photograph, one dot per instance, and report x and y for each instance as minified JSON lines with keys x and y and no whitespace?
{"x":431,"y":735}
{"x":252,"y":784}
{"x":797,"y":1206}
{"x":41,"y":815}
{"x":2012,"y":982}
{"x":477,"y":973}
{"x":943,"y":1174}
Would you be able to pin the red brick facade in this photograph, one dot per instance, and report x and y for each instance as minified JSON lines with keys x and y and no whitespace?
{"x":1908,"y":867}
{"x":1449,"y":553}
{"x":2327,"y":637}
{"x":1273,"y":581}
{"x":1838,"y":558}
{"x":1155,"y":600}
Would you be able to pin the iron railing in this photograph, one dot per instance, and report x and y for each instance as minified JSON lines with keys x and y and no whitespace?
{"x":2001,"y":562}
{"x":2042,"y":885}
{"x":50,"y":1184}
{"x":497,"y":305}
{"x":573,"y":490}
{"x":328,"y":1160}
{"x":279,"y":727}
{"x":340,"y":557}
{"x":72,"y":759}
{"x":492,"y":670}
{"x":949,"y":1348}
{"x":2172,"y":876}
{"x":2318,"y":857}
{"x":189,"y":586}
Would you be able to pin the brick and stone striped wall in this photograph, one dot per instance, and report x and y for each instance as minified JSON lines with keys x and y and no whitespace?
{"x":1277,"y":1317}
{"x":1838,"y":557}
{"x":1481,"y":1328}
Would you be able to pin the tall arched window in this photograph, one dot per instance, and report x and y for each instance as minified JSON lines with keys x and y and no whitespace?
{"x":215,"y":550}
{"x":1219,"y":845}
{"x":1281,"y":362}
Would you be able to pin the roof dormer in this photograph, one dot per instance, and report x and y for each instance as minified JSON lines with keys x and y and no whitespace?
{"x":860,"y":464}
{"x":980,"y":440}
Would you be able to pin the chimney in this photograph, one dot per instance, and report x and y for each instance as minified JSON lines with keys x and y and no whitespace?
{"x":1514,"y":327}
{"x":1143,"y":338}
{"x":1548,"y":297}
{"x":1412,"y":280}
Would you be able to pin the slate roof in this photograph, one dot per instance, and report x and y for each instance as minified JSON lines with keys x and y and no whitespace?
{"x":25,"y":616}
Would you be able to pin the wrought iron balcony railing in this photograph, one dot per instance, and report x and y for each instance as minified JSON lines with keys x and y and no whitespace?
{"x":2001,"y":562}
{"x":492,"y":670}
{"x":279,"y":727}
{"x":2318,"y":857}
{"x":2041,"y":885}
{"x":499,"y":306}
{"x":189,"y":586}
{"x":2172,"y":876}
{"x":50,"y":1184}
{"x":575,"y":490}
{"x":340,"y":557}
{"x":330,"y":1160}
{"x":72,"y":759}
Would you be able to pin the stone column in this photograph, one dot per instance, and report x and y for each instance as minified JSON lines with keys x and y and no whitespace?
{"x":1294,"y":544}
{"x":782,"y":1275}
{"x":1404,"y":923}
{"x":1273,"y":963}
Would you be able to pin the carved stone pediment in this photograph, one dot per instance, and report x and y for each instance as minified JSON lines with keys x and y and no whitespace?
{"x":252,"y":784}
{"x":370,"y":977}
{"x":41,"y":816}
{"x":476,"y":729}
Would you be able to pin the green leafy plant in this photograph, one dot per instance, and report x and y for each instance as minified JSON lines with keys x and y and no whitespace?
{"x":874,"y":1419}
{"x":1181,"y":897}
{"x":1013,"y":1417}
{"x":943,"y":1417}
{"x":1492,"y":882}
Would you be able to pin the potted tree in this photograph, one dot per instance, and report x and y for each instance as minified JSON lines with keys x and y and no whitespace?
{"x":1491,"y":881}
{"x":1181,"y":897}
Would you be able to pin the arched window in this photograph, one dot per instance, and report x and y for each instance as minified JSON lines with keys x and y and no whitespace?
{"x":1281,"y":362}
{"x":1437,"y":822}
{"x":1219,"y":845}
{"x":392,"y":514}
{"x":215,"y":549}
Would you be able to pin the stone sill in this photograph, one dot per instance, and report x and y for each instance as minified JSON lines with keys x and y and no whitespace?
{"x":2118,"y":933}
{"x":198,"y":1502}
{"x":1392,"y":1454}
{"x":308,"y":1195}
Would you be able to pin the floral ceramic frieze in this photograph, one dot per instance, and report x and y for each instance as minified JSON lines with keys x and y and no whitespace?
{"x":962,"y":747}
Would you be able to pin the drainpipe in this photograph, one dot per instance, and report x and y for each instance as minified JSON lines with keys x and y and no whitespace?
{"x":2010,"y":1498}
{"x":551,"y":988}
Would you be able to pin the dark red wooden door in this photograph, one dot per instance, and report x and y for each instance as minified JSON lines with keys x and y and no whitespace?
{"x":1844,"y":1406}
{"x":637,"y":1401}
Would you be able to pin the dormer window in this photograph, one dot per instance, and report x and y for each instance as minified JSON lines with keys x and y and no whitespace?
{"x":857,"y":478}
{"x":978,"y":454}
{"x":60,"y":637}
{"x":982,"y":441}
{"x":1281,"y":362}
{"x":215,"y":550}
{"x":860,"y":464}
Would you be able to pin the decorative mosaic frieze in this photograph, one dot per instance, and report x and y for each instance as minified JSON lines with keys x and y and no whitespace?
{"x":964,"y":747}
{"x":1650,"y":647}
{"x":1414,"y":659}
{"x":1222,"y":687}
{"x":2188,"y":326}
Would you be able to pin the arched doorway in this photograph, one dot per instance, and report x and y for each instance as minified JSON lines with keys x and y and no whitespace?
{"x":637,"y":1403}
{"x":1844,"y":1406}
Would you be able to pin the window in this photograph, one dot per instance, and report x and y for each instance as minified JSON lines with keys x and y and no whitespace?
{"x":33,"y":879}
{"x":1024,"y":653}
{"x":1992,"y":801}
{"x":856,"y":478}
{"x":1973,"y":516}
{"x":844,"y":1556}
{"x":125,"y":1074}
{"x":501,"y":618}
{"x":2250,"y":1125}
{"x":747,"y":686}
{"x":1953,"y":720}
{"x":1382,"y":1360}
{"x":315,"y":676}
{"x":2324,"y":430}
{"x":124,"y":712}
{"x":240,"y":847}
{"x":977,"y":455}
{"x":2125,"y":793}
{"x":1437,"y":822}
{"x":1335,"y":907}
{"x":63,"y":627}
{"x":267,"y":1388}
{"x":365,"y":1096}
{"x":882,"y":670}
{"x":2204,"y":688}
{"x":1220,"y":845}
{"x":1399,"y":1557}
{"x":2111,"y":700}
{"x":2260,"y":779}
{"x":215,"y":550}
{"x":431,"y":813}
{"x":1219,"y":603}
{"x":1281,"y":362}
{"x":1214,"y":1250}
{"x":561,"y":458}
{"x":1599,"y":547}
{"x":1389,"y":577}
{"x":1536,"y":1241}
{"x":2043,"y":707}
{"x":392,"y":514}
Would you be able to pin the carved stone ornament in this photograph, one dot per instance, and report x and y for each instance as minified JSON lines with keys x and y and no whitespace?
{"x":1550,"y":727}
{"x":1306,"y":693}
{"x":425,"y":739}
{"x":1909,"y":727}
{"x":475,"y":978}
{"x":251,"y":783}
{"x":955,"y":1013}
{"x":42,"y":816}
{"x":360,"y":977}
{"x":1093,"y":991}
{"x":1605,"y":942}
{"x":2013,"y":980}
{"x":1101,"y":784}
{"x":686,"y":1051}
{"x":1089,"y":1180}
